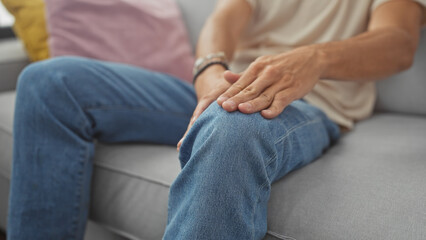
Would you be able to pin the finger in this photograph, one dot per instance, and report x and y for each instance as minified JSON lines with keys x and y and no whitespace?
{"x":231,"y":77}
{"x":254,"y":90}
{"x":179,"y":144}
{"x":261,"y":102}
{"x":248,"y":77}
{"x":201,"y":106}
{"x":281,"y":100}
{"x":184,"y":135}
{"x":264,"y":98}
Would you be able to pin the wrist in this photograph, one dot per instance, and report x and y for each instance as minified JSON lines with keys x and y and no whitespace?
{"x":203,"y":63}
{"x":209,"y":79}
{"x":323,"y":60}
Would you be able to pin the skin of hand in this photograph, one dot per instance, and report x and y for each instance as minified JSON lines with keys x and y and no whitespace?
{"x":269,"y":84}
{"x":272,"y":82}
{"x":209,"y":86}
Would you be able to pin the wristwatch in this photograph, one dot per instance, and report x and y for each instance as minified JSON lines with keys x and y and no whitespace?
{"x":212,"y":57}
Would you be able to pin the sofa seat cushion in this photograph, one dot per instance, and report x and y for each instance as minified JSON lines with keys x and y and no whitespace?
{"x":131,"y":187}
{"x":371,"y":185}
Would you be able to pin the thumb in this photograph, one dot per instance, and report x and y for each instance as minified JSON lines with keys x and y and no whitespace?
{"x":231,"y":77}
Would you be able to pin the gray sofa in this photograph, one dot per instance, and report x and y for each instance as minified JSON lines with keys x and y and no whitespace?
{"x":371,"y":185}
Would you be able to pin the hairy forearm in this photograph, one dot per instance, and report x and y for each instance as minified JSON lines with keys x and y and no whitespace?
{"x":213,"y":38}
{"x":369,"y":56}
{"x":216,"y":37}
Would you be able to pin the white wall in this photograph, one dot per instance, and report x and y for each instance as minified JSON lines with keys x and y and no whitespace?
{"x":5,"y":18}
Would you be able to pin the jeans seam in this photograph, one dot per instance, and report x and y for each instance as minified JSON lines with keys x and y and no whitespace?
{"x":254,"y":214}
{"x":285,"y":136}
{"x":78,"y":194}
{"x":274,"y":157}
{"x":291,"y":130}
{"x":84,"y":154}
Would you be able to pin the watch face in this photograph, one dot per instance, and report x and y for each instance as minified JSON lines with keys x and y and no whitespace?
{"x":201,"y":60}
{"x":197,"y":65}
{"x":198,"y":62}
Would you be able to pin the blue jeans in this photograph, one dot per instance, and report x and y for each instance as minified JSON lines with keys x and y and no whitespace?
{"x":229,"y":160}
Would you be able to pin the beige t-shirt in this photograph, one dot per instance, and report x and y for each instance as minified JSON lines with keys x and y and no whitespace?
{"x":282,"y":25}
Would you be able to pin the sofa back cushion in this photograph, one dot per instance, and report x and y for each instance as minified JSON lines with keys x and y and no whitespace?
{"x":30,"y":26}
{"x":406,"y":92}
{"x":195,"y":13}
{"x":145,"y":33}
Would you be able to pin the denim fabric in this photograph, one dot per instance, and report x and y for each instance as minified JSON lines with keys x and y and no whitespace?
{"x":64,"y":104}
{"x":229,"y":160}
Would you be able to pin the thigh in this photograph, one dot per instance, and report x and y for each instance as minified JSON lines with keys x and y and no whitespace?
{"x":304,"y":133}
{"x":125,"y":103}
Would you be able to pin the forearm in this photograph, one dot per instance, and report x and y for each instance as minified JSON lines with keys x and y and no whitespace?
{"x":368,"y":56}
{"x":216,"y":37}
{"x":213,"y":38}
{"x":386,"y":48}
{"x":220,"y":34}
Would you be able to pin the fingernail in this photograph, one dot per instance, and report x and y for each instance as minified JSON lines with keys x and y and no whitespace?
{"x":222,"y":98}
{"x":246,"y":106}
{"x":267,"y":112}
{"x":230,"y":104}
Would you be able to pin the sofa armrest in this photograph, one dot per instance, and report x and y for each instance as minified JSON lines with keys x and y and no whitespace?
{"x":12,"y":60}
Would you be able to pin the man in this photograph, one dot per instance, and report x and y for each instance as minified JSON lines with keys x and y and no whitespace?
{"x":249,"y":127}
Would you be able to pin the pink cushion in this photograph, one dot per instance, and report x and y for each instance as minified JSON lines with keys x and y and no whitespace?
{"x":145,"y":33}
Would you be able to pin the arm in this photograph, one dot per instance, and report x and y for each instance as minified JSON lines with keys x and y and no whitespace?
{"x":273,"y":82}
{"x":220,"y":34}
{"x":386,"y":48}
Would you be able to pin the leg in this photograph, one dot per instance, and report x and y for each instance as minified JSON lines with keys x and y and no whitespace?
{"x":229,"y":161}
{"x":62,"y":106}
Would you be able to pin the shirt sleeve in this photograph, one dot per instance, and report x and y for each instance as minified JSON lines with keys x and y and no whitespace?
{"x":422,"y":3}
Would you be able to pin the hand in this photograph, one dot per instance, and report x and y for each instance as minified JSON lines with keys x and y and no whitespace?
{"x":272,"y":82}
{"x":209,"y":86}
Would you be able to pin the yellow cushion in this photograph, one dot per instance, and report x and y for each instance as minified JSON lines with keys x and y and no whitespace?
{"x":30,"y":26}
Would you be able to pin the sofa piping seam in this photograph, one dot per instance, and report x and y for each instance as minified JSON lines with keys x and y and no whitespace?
{"x":129,"y":174}
{"x":3,"y":129}
{"x":279,"y":236}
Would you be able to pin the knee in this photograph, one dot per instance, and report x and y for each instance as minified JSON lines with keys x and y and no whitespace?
{"x":234,"y":127}
{"x":42,"y":80}
{"x":220,"y":132}
{"x":220,"y":142}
